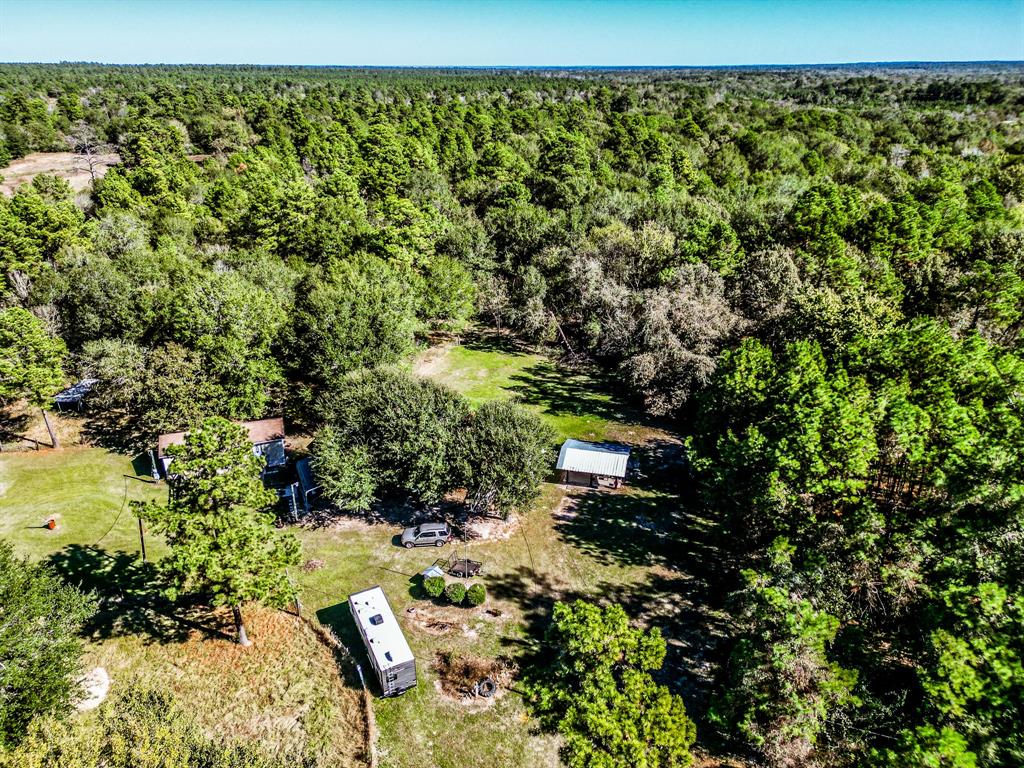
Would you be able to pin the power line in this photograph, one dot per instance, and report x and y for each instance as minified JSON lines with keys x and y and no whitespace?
{"x":124,"y":501}
{"x":522,"y":530}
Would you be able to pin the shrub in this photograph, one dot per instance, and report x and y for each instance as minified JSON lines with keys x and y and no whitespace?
{"x":509,"y":454}
{"x":455,"y":592}
{"x":345,"y":473}
{"x":434,"y":585}
{"x":476,"y":595}
{"x":41,"y":620}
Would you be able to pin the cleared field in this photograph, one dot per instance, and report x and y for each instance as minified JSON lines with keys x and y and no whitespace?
{"x":638,"y":546}
{"x":288,"y":690}
{"x":66,"y":165}
{"x":572,"y":543}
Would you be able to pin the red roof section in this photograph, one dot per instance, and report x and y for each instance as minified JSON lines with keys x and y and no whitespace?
{"x":260,"y":431}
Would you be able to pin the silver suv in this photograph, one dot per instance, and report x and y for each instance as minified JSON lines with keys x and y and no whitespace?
{"x":427,"y":534}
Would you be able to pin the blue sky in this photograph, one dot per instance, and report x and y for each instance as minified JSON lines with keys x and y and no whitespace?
{"x":511,"y":32}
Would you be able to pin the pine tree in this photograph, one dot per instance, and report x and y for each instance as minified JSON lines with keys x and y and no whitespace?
{"x":599,"y":694}
{"x":30,"y":362}
{"x":222,"y":541}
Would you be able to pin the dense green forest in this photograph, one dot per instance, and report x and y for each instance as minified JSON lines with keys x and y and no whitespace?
{"x":816,"y":275}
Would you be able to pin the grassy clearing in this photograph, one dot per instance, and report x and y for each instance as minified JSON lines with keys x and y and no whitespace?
{"x":637,"y":546}
{"x":84,"y":488}
{"x":422,"y":728}
{"x":577,"y":403}
{"x":572,"y":543}
{"x":287,"y":691}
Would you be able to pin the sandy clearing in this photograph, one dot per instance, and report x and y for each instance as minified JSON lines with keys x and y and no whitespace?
{"x":67,"y":165}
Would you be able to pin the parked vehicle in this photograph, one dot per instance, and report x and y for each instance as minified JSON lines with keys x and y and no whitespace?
{"x":426,"y":535}
{"x":386,"y":646}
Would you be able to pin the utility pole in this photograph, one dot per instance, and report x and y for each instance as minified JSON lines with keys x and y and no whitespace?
{"x":298,"y":601}
{"x":142,"y":540}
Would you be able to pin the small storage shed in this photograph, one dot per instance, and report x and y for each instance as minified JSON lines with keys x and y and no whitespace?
{"x":582,"y":463}
{"x":386,"y":646}
{"x":74,"y":397}
{"x":266,"y":436}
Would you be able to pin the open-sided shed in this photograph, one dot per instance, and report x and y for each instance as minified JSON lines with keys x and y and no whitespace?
{"x":74,"y":397}
{"x":583,"y":463}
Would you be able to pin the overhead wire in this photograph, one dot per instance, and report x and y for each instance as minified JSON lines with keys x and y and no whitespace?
{"x":124,"y":501}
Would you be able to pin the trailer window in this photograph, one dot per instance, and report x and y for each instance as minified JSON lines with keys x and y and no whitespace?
{"x":376,"y":619}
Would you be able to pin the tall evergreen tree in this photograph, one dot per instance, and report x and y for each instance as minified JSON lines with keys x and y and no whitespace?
{"x":30,"y":362}
{"x":222,"y":540}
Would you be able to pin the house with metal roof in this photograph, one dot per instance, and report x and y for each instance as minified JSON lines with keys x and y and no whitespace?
{"x":583,"y":463}
{"x":266,"y":435}
{"x":385,"y":643}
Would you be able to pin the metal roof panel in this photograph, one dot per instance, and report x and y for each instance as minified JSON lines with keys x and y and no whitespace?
{"x":606,"y":459}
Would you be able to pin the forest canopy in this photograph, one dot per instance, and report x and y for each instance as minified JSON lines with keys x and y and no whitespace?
{"x":817,"y":274}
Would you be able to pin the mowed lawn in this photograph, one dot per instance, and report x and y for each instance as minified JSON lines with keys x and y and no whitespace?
{"x":288,"y":690}
{"x":87,"y":490}
{"x":636,"y":546}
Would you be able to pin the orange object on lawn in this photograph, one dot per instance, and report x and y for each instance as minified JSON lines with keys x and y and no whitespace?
{"x":51,"y":523}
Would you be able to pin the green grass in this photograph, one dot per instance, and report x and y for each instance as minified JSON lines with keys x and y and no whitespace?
{"x":84,"y":488}
{"x":634,"y":546}
{"x":576,"y":403}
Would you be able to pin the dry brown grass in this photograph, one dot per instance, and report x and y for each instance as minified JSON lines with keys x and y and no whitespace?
{"x":19,"y":420}
{"x":287,"y":691}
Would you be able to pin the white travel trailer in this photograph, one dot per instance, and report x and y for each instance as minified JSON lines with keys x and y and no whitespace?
{"x":386,"y":646}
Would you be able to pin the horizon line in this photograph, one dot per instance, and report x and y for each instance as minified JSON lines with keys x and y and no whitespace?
{"x":872,"y":63}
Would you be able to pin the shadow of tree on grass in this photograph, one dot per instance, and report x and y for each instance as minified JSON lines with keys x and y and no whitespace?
{"x":682,"y":592}
{"x":131,"y":598}
{"x":338,"y":619}
{"x":116,"y":431}
{"x":492,"y":341}
{"x":561,"y":391}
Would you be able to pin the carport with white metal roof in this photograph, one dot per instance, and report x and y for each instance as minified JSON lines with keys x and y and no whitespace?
{"x":583,"y":463}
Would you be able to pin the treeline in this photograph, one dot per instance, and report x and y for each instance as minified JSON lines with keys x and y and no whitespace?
{"x":819,"y":274}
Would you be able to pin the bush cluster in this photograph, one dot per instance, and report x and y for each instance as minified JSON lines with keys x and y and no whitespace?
{"x":456,"y":592}
{"x":434,"y":585}
{"x":476,"y":595}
